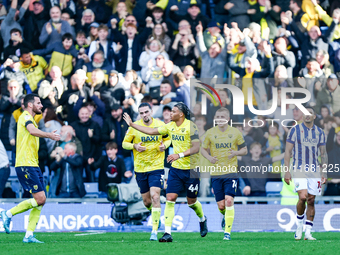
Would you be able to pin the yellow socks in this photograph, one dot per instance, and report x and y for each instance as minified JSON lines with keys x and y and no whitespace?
{"x":222,"y":211}
{"x":229,"y":218}
{"x":34,"y":218}
{"x":197,"y":207}
{"x":24,"y":206}
{"x":169,"y":214}
{"x":155,"y":215}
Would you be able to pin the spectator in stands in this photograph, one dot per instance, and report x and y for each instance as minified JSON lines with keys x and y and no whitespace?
{"x":87,"y":19}
{"x":54,"y":29}
{"x":4,"y":168}
{"x":16,"y":44}
{"x":239,"y":13}
{"x":159,"y":34}
{"x":9,"y":102}
{"x":98,"y":61}
{"x":254,"y":132}
{"x":82,"y":44}
{"x":58,"y":82}
{"x":183,"y":50}
{"x":109,"y":48}
{"x":266,"y":15}
{"x":112,"y":168}
{"x":281,"y":56}
{"x":213,"y":60}
{"x":153,"y":76}
{"x":34,"y":23}
{"x":114,"y":130}
{"x":51,"y":123}
{"x":194,"y":16}
{"x":112,"y":94}
{"x":12,"y":20}
{"x":88,"y":132}
{"x":312,"y":78}
{"x":165,"y":90}
{"x":119,"y":15}
{"x":323,"y":59}
{"x":70,"y":182}
{"x":256,"y":182}
{"x":137,"y":90}
{"x":168,"y":70}
{"x":132,"y":45}
{"x":100,"y":9}
{"x":10,"y":70}
{"x":71,"y":96}
{"x":329,"y":95}
{"x":97,"y":81}
{"x":182,"y":92}
{"x":34,"y":67}
{"x":213,"y":34}
{"x":327,"y":123}
{"x":47,"y":95}
{"x":299,"y":19}
{"x":64,"y":54}
{"x":212,"y":109}
{"x":96,"y":108}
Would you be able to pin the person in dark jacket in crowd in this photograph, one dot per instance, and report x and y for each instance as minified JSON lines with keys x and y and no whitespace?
{"x":114,"y":93}
{"x":112,"y":168}
{"x":70,"y":183}
{"x":95,"y":106}
{"x":114,"y":130}
{"x":88,"y":132}
{"x":16,"y":44}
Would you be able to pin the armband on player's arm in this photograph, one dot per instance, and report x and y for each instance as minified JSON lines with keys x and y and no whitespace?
{"x":127,"y":146}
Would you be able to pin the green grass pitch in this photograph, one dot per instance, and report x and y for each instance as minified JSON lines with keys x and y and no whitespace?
{"x":184,"y":243}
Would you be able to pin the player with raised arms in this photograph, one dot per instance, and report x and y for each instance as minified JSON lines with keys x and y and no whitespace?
{"x":304,"y":141}
{"x":149,"y":154}
{"x":225,"y":143}
{"x":27,"y":167}
{"x":186,"y":144}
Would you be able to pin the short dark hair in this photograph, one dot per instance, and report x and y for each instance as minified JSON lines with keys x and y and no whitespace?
{"x":90,"y":103}
{"x":312,"y":60}
{"x":298,"y":2}
{"x":147,"y":99}
{"x":29,"y":99}
{"x":67,"y":36}
{"x":15,"y":30}
{"x":144,"y":105}
{"x":81,"y":32}
{"x":166,"y":81}
{"x":310,"y":107}
{"x":157,"y":9}
{"x":24,"y":51}
{"x":111,"y":145}
{"x":184,"y":109}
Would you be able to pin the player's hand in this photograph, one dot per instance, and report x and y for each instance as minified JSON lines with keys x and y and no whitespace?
{"x":128,"y":174}
{"x":174,"y":8}
{"x":171,"y":158}
{"x":246,"y":191}
{"x":162,"y":147}
{"x":54,"y":136}
{"x":199,"y":28}
{"x":90,"y":132}
{"x":112,"y":134}
{"x":288,"y":177}
{"x":232,"y":154}
{"x":213,"y":160}
{"x":166,"y":101}
{"x":138,"y":147}
{"x":90,"y":161}
{"x":12,"y":142}
{"x":127,"y":119}
{"x":323,"y":179}
{"x":8,"y":62}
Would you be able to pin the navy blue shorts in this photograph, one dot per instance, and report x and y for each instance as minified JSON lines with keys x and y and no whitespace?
{"x":183,"y":179}
{"x":224,"y":185}
{"x":150,"y":179}
{"x":30,"y":178}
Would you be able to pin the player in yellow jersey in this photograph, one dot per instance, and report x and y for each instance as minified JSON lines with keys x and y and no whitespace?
{"x":186,"y":144}
{"x":149,"y":154}
{"x":27,"y":167}
{"x":225,"y":144}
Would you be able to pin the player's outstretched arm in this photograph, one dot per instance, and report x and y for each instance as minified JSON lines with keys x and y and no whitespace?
{"x":37,"y":132}
{"x":324,"y":163}
{"x":288,"y":152}
{"x":145,"y":130}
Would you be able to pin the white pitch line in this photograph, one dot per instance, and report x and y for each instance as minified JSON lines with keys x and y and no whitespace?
{"x":87,"y":234}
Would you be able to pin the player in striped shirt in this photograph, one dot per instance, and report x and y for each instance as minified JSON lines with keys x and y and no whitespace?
{"x":304,"y":142}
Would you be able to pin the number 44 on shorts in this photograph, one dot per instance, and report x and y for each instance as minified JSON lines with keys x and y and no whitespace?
{"x":192,"y":189}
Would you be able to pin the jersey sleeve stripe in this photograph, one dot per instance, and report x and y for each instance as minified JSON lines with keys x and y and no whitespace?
{"x":28,"y":122}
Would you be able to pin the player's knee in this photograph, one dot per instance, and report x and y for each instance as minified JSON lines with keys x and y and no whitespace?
{"x":311,"y":201}
{"x":229,"y":202}
{"x":170,"y":197}
{"x":221,"y":207}
{"x":155,"y":198}
{"x":40,"y":200}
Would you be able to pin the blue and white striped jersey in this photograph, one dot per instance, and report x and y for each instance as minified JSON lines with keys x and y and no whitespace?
{"x":306,"y":143}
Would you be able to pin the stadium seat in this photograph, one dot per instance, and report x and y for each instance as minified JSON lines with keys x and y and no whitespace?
{"x":273,"y":189}
{"x":91,"y":189}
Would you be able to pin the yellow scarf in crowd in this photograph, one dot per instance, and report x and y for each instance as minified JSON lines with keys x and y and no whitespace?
{"x":275,"y":141}
{"x":247,"y":82}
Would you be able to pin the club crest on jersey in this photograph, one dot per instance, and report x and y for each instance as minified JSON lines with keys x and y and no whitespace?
{"x":35,"y":187}
{"x":215,"y":136}
{"x":182,"y":129}
{"x":230,"y":135}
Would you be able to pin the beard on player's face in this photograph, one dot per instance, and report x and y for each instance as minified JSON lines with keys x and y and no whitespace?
{"x":36,"y":110}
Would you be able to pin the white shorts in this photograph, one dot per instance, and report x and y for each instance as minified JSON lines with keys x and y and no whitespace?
{"x":312,"y":185}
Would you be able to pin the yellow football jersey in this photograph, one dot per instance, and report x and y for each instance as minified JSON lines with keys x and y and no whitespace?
{"x":219,"y":144}
{"x":27,"y":144}
{"x":150,"y":159}
{"x":182,"y":138}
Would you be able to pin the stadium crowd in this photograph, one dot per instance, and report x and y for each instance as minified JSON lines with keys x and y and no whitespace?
{"x":90,"y":61}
